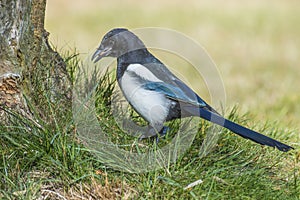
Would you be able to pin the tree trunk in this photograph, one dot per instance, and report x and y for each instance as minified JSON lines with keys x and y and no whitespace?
{"x":28,"y":65}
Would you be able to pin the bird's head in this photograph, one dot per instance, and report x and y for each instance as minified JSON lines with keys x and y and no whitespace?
{"x":117,"y":42}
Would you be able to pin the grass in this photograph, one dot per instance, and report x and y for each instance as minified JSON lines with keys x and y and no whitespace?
{"x":255,"y":48}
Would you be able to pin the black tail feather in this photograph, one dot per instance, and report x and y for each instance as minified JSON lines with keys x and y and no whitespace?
{"x":240,"y":130}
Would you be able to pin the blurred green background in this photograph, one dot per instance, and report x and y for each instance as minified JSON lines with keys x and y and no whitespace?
{"x":255,"y":44}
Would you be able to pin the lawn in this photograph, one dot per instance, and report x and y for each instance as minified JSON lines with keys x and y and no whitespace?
{"x":254,"y":46}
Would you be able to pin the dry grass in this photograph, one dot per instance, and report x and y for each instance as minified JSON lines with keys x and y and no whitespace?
{"x":42,"y":188}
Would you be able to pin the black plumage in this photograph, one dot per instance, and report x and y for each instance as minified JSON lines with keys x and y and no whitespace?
{"x":156,"y":93}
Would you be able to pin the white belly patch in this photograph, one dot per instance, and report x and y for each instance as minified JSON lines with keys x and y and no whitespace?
{"x":151,"y":105}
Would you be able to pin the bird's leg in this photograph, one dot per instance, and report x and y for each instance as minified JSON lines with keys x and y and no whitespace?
{"x":153,"y":132}
{"x":162,"y":133}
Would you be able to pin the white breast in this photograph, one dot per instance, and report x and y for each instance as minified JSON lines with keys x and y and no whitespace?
{"x":151,"y":105}
{"x":143,"y":72}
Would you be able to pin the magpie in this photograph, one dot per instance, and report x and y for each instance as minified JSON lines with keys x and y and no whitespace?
{"x":156,"y":94}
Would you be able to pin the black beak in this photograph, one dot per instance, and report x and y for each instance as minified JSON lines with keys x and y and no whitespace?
{"x":100,"y":53}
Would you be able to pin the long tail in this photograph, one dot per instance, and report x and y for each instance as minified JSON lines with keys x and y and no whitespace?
{"x":240,"y":130}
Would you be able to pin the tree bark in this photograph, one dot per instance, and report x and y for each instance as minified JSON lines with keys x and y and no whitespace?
{"x":28,"y":65}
